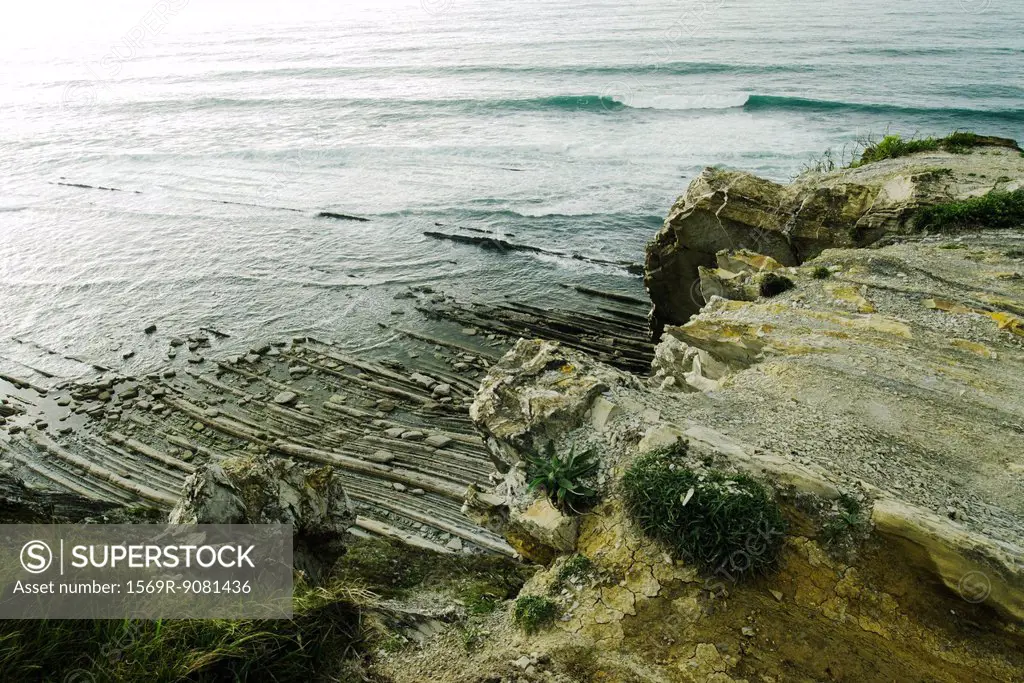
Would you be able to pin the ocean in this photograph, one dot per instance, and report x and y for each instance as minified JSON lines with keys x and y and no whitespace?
{"x":225,"y":128}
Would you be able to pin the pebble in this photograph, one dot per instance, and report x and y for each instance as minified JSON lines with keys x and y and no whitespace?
{"x":198,"y":426}
{"x":286,"y":398}
{"x":177,"y":342}
{"x":394,"y":432}
{"x":437,"y":440}
{"x":413,"y":435}
{"x":522,"y":663}
{"x":150,"y":329}
{"x":196,"y":360}
{"x":382,"y":457}
{"x":398,"y":487}
{"x":469,"y":331}
{"x":127,"y":355}
{"x":441,"y":390}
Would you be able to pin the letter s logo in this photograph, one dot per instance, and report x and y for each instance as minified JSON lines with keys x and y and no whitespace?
{"x":36,"y":557}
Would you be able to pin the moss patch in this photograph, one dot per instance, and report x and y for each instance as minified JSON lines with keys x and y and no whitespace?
{"x":534,"y":612}
{"x":575,"y":569}
{"x":392,"y":569}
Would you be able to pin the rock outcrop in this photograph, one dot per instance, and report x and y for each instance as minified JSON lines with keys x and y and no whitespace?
{"x":883,"y":380}
{"x":732,"y":210}
{"x":529,"y":399}
{"x":264,"y":490}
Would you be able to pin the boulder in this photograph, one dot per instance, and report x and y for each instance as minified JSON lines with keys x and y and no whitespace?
{"x":263,"y":490}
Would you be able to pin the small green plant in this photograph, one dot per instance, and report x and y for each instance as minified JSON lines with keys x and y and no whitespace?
{"x":723,"y":523}
{"x":993,"y":210}
{"x":534,"y":612}
{"x":472,"y":637}
{"x":821,"y":273}
{"x":483,"y":598}
{"x":561,"y":478}
{"x":847,"y":521}
{"x":576,"y":568}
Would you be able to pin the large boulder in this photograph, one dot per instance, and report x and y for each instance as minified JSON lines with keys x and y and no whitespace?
{"x":851,"y":207}
{"x":535,"y":395}
{"x":263,"y":490}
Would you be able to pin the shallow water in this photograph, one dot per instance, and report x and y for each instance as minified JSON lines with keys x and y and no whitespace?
{"x":572,"y":128}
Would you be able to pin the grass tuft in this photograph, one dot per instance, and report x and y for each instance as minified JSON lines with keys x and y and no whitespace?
{"x":821,"y":273}
{"x":722,"y":523}
{"x":894,"y":146}
{"x":993,"y":210}
{"x":324,"y":633}
{"x":534,"y":612}
{"x":576,"y":568}
{"x":846,"y":523}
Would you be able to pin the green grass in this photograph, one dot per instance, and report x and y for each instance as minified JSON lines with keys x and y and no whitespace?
{"x":821,"y":273}
{"x":322,"y":638}
{"x":562,"y":478}
{"x":894,"y":146}
{"x":841,"y":528}
{"x":392,"y":569}
{"x":723,"y":523}
{"x":534,"y":612}
{"x":993,"y":210}
{"x":576,"y":568}
{"x":323,"y":641}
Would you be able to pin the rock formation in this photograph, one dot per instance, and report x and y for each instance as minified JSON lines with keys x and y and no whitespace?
{"x":262,"y":490}
{"x":732,"y":210}
{"x":882,"y":380}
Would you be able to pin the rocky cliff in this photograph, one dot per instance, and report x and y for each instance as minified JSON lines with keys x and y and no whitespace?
{"x":816,"y":341}
{"x":851,"y":207}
